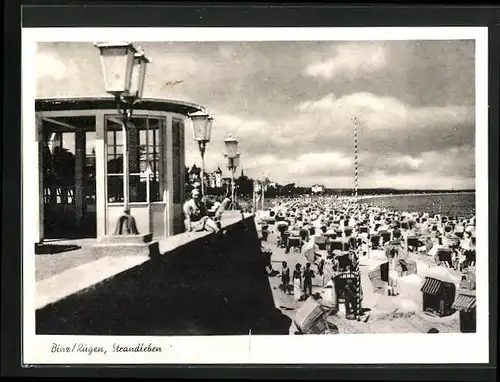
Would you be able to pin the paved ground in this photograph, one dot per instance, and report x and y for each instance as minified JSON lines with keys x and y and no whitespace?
{"x":50,"y":264}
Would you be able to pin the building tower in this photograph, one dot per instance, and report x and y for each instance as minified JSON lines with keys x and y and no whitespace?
{"x":218,"y":177}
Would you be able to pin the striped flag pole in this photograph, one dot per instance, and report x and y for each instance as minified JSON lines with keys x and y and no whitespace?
{"x":356,"y":163}
{"x":356,"y":265}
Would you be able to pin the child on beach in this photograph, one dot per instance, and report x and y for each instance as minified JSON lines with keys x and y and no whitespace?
{"x":285,"y":277}
{"x":297,"y":282}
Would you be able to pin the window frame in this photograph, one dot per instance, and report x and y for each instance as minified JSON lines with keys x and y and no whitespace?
{"x":158,"y":150}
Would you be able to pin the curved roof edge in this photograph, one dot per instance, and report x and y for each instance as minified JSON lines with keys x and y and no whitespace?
{"x":103,"y":102}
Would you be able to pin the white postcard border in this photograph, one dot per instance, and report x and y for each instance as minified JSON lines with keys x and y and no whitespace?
{"x":349,"y":349}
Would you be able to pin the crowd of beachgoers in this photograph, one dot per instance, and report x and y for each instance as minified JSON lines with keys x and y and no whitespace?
{"x":344,"y":219}
{"x":335,"y":235}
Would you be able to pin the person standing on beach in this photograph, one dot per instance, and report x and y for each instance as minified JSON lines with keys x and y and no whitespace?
{"x":285,"y":277}
{"x":297,"y":282}
{"x":308,"y":277}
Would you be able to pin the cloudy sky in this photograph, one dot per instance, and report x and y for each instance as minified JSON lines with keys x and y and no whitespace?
{"x":291,"y":105}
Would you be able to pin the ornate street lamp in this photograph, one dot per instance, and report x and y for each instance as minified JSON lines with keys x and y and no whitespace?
{"x":202,"y":130}
{"x":233,"y":159}
{"x":124,"y":72}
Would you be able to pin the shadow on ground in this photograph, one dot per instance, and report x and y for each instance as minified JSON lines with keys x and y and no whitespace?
{"x":49,"y":249}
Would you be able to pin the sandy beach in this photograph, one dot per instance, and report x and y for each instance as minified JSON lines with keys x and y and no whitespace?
{"x":401,"y":311}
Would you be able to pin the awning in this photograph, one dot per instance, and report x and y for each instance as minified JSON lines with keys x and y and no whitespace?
{"x":464,"y":302}
{"x":431,"y":286}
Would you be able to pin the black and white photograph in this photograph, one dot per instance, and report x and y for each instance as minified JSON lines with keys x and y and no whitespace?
{"x":255,"y":195}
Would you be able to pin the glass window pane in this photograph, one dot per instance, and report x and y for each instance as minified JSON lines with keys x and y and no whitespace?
{"x":137,"y":188}
{"x":155,"y":193}
{"x":143,"y":137}
{"x":90,"y":137}
{"x":150,"y":137}
{"x":68,"y":142}
{"x":115,"y":189}
{"x":111,"y":138}
{"x":119,"y":137}
{"x":115,"y":164}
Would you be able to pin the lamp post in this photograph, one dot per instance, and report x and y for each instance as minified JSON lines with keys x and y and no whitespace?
{"x":124,"y":71}
{"x":233,"y":158}
{"x":202,"y":130}
{"x":264,"y":189}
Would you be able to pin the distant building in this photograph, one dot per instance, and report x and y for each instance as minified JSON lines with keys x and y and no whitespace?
{"x":215,"y":178}
{"x":194,"y":173}
{"x":317,"y":189}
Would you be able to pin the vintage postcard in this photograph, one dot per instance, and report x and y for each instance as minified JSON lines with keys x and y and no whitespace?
{"x":255,"y":195}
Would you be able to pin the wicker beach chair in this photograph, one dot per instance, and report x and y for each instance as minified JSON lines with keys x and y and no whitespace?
{"x":386,"y":236}
{"x":413,"y":243}
{"x":321,"y":242}
{"x":311,"y":318}
{"x":294,"y":242}
{"x":379,"y":285}
{"x":375,"y":240}
{"x":444,"y":257}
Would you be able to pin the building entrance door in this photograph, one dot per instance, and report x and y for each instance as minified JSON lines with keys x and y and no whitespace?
{"x":69,"y":191}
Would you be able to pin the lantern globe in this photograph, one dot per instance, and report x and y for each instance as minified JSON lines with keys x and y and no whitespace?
{"x":231,"y":146}
{"x":138,"y":75}
{"x":210,"y":121}
{"x":199,"y":120}
{"x":117,"y":60}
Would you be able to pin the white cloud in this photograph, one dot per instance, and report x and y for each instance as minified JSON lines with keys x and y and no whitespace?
{"x":384,"y":113}
{"x":319,"y":163}
{"x":350,"y":60}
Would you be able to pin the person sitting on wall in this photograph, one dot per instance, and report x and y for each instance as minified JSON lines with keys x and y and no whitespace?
{"x":196,"y":215}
